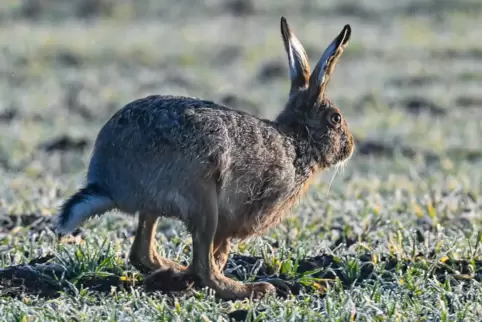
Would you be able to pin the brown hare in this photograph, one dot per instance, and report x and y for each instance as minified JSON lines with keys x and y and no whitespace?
{"x":227,"y":175}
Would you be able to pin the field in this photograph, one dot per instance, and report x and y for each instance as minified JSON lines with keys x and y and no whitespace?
{"x":396,"y":236}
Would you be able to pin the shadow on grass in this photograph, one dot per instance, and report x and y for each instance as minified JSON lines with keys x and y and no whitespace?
{"x":44,"y":279}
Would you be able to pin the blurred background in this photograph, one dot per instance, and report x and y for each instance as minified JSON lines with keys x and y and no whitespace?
{"x":409,"y":83}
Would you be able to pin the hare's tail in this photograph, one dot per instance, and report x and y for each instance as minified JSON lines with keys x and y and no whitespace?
{"x":87,"y":202}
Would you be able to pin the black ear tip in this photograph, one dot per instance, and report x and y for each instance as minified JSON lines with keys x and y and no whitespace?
{"x":346,"y":32}
{"x":284,"y":27}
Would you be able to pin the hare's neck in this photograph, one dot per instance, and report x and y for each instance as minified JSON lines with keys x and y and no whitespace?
{"x":307,"y":157}
{"x":309,"y":160}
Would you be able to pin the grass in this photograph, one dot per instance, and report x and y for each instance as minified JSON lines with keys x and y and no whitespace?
{"x":395,"y":237}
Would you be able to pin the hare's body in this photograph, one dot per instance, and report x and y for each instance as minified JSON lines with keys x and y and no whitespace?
{"x":152,"y":155}
{"x":224,"y":173}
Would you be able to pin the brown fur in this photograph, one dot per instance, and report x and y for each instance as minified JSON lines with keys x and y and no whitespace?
{"x":226,"y":174}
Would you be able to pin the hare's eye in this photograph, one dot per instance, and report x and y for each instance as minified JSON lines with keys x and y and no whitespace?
{"x":335,"y":119}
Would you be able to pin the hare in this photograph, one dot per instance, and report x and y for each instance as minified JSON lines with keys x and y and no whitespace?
{"x":226,"y":174}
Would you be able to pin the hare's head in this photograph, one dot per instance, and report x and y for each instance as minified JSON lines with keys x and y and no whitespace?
{"x":308,"y":111}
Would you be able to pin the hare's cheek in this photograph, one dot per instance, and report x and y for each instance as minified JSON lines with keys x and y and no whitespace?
{"x":338,"y":142}
{"x":338,"y":145}
{"x":348,"y":146}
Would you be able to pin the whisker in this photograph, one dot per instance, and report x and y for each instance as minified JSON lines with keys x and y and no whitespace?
{"x":333,"y":177}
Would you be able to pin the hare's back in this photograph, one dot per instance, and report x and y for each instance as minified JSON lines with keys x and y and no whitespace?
{"x":161,"y":141}
{"x":157,"y":124}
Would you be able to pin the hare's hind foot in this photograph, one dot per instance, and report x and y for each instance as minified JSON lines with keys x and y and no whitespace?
{"x":225,"y":287}
{"x":228,"y":289}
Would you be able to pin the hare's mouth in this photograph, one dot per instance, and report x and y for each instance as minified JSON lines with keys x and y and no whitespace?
{"x":341,"y":163}
{"x":348,"y":147}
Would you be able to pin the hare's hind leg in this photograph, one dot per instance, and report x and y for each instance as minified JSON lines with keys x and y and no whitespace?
{"x":203,"y":228}
{"x":162,"y":273}
{"x":143,"y":254}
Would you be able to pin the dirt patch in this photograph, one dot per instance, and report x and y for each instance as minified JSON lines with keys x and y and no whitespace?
{"x":227,"y":55}
{"x":35,"y":222}
{"x":238,"y":315}
{"x":236,"y":102}
{"x":272,"y":70}
{"x":414,"y":81}
{"x":8,"y":115}
{"x":240,"y":8}
{"x":64,"y":143}
{"x":73,"y":104}
{"x":467,"y":154}
{"x":452,"y":54}
{"x":45,"y":279}
{"x":413,"y":105}
{"x":469,"y":102}
{"x":35,"y":9}
{"x":390,"y":150}
{"x":355,"y":10}
{"x":29,"y":279}
{"x":330,"y":268}
{"x":381,"y":149}
{"x":419,"y":105}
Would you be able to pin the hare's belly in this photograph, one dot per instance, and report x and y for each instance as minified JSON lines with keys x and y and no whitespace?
{"x":241,"y":216}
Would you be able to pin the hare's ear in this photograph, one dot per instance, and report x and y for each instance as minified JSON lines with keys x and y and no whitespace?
{"x":297,"y":58}
{"x":320,"y":76}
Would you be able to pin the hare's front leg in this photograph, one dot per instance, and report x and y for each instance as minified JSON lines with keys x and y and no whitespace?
{"x":204,"y":265}
{"x":143,"y":254}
